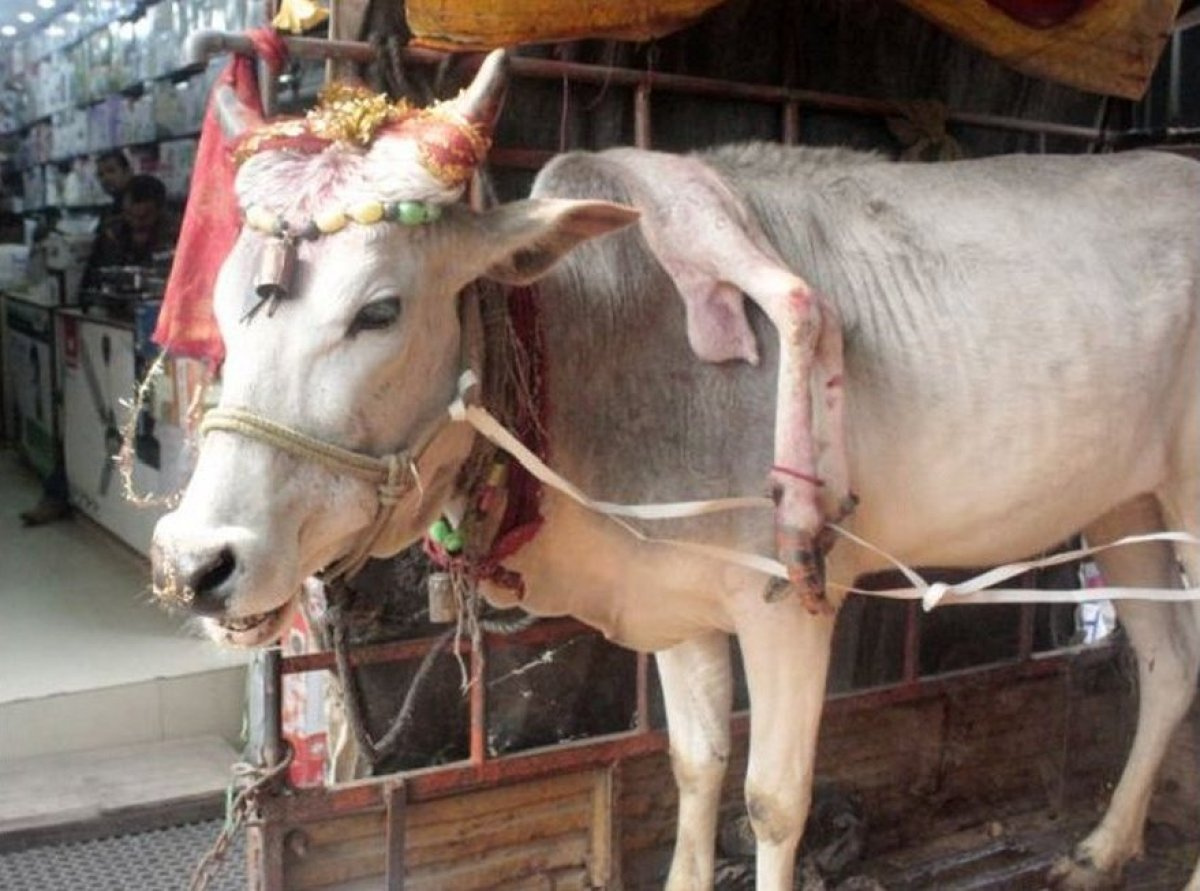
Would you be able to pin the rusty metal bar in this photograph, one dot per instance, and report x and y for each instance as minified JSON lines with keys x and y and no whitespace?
{"x":993,"y":675}
{"x":478,"y":742}
{"x":791,"y":123}
{"x":520,"y":158}
{"x":272,"y":750}
{"x":395,"y":798}
{"x":704,"y":86}
{"x":203,"y":45}
{"x":641,"y":116}
{"x":545,"y":631}
{"x":642,"y":722}
{"x":1025,"y":631}
{"x":912,"y":643}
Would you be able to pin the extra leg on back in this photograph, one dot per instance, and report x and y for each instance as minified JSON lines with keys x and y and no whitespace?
{"x":714,"y":269}
{"x":698,"y":693}
{"x":1166,"y":641}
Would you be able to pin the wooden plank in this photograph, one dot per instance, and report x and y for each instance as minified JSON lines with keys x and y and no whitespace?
{"x":337,"y":863}
{"x":559,"y":880}
{"x":503,"y":866}
{"x":340,"y":829}
{"x":498,"y":827}
{"x":486,"y":832}
{"x":394,"y":835}
{"x":601,"y":866}
{"x":519,"y":795}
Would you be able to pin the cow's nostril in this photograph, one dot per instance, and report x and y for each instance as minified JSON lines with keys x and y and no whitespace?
{"x":206,"y":580}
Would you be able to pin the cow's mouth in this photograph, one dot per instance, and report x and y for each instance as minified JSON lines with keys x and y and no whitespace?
{"x":256,"y":630}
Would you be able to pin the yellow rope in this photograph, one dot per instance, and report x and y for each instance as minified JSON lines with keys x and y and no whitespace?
{"x":248,"y":424}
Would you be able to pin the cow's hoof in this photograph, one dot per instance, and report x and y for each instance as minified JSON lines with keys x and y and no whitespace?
{"x":1077,"y":872}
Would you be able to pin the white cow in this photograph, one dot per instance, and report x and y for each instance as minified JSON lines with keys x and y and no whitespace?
{"x":1021,"y":357}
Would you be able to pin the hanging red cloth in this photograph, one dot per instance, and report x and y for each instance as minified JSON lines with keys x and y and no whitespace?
{"x":211,"y":221}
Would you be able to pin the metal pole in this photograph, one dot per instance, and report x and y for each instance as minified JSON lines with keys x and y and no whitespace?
{"x":272,"y":744}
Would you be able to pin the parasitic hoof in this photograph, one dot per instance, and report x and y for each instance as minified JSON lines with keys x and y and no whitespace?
{"x":1078,"y":872}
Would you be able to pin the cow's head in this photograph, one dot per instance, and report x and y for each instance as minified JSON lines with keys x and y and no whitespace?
{"x":338,"y":307}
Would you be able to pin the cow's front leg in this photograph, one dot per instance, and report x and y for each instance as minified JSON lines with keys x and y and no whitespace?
{"x":785,"y":649}
{"x":698,"y":693}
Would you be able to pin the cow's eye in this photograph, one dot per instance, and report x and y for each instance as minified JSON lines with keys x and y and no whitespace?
{"x":376,"y":315}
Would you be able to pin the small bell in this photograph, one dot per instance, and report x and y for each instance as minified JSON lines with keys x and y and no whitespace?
{"x":276,"y":268}
{"x":443,"y":605}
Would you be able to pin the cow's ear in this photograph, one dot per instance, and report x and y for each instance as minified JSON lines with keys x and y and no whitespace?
{"x":526,"y":238}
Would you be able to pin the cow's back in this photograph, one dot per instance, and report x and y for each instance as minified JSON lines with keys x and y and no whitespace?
{"x":1020,"y":331}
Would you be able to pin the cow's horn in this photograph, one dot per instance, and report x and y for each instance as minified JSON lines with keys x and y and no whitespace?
{"x":480,"y":102}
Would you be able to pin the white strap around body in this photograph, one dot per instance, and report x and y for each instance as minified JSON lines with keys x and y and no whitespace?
{"x":930,"y":594}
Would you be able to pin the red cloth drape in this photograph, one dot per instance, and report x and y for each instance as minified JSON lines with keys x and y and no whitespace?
{"x":186,"y":326}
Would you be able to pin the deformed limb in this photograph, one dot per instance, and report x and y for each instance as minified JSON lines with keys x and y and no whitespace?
{"x":714,"y":267}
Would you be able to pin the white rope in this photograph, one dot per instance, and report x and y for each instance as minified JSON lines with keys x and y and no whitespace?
{"x":931,"y":594}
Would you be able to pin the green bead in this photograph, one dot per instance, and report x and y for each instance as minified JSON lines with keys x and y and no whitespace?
{"x":454,"y":542}
{"x":439,"y":531}
{"x":410,"y":213}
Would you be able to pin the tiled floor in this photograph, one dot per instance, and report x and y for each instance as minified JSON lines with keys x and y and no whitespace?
{"x":86,"y":660}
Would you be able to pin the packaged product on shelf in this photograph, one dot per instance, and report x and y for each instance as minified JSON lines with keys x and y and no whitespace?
{"x":53,"y":192}
{"x":176,"y":159}
{"x":78,"y":57}
{"x":100,"y":65}
{"x":75,"y":188}
{"x":137,"y":120}
{"x":43,"y":141}
{"x":99,"y":135}
{"x":86,"y":167}
{"x":55,"y":82}
{"x":237,"y":14}
{"x":145,"y":57}
{"x":171,"y":111}
{"x":124,"y":70}
{"x":33,"y":183}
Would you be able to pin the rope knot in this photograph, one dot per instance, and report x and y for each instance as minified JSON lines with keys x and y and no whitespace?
{"x":389,"y":496}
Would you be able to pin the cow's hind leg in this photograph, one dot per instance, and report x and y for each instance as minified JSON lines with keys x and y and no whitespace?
{"x":1182,"y":506}
{"x":698,"y":692}
{"x":1166,"y":642}
{"x":785,"y":650}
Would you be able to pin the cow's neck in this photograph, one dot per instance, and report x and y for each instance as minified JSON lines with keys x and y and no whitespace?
{"x":497,"y":506}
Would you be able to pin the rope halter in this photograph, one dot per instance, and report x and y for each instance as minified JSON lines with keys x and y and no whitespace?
{"x":393,"y":475}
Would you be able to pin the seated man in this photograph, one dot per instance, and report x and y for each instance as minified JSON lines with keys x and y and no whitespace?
{"x":145,"y":227}
{"x":114,"y":173}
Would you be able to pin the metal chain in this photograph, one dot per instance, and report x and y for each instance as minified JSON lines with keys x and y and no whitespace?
{"x":238,"y":807}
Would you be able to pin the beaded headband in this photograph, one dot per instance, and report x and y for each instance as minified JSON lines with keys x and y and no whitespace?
{"x":449,"y":148}
{"x":277,"y":266}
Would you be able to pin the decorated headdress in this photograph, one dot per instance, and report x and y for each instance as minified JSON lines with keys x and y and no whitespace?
{"x":409,"y":162}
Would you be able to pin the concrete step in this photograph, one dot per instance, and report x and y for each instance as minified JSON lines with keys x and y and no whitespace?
{"x":53,"y":798}
{"x":201,"y":703}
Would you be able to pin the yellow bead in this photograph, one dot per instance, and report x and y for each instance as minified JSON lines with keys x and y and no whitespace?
{"x":331,"y":221}
{"x":260,"y":218}
{"x":368,"y":212}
